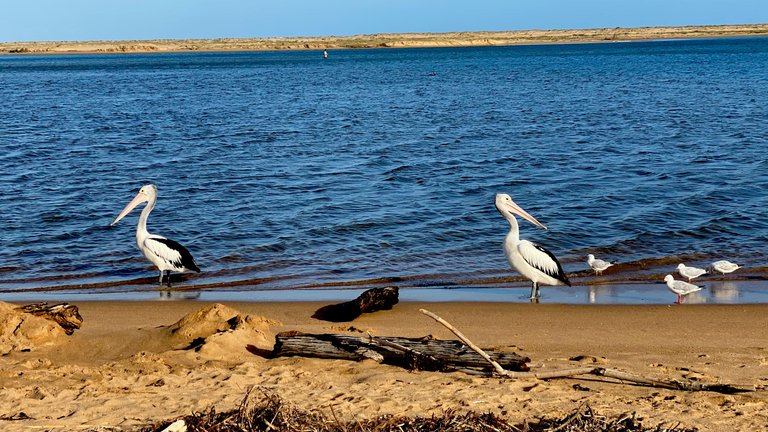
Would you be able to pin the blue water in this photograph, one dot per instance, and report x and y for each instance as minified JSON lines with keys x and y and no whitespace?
{"x":281,"y":170}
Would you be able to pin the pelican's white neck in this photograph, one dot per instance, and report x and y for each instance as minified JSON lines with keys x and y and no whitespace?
{"x":141,"y":228}
{"x":514,"y":229}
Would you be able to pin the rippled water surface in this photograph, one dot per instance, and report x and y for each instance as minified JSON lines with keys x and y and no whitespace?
{"x":281,"y":170}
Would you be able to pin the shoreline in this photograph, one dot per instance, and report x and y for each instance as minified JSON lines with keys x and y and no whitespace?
{"x":625,"y":283}
{"x":716,"y":292}
{"x":126,"y":368}
{"x":640,"y":276}
{"x":394,"y":40}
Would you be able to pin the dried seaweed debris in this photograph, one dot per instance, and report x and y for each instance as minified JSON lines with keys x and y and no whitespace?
{"x":272,"y":413}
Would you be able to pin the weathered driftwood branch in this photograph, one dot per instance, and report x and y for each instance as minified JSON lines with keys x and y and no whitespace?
{"x":466,"y":341}
{"x":373,"y":300}
{"x":414,"y":353}
{"x":686,"y":385}
{"x":63,"y":314}
{"x":588,"y":370}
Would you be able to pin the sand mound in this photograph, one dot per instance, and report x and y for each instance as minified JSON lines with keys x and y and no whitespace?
{"x":20,"y":331}
{"x":220,"y":332}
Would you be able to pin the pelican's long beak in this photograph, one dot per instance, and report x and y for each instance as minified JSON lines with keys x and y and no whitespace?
{"x":138,"y":199}
{"x":516,"y":209}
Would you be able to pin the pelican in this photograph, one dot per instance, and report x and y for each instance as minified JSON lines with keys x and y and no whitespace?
{"x":725,"y":266}
{"x":529,"y":259}
{"x":680,"y":288}
{"x":598,"y":265}
{"x":165,"y":254}
{"x":690,"y":272}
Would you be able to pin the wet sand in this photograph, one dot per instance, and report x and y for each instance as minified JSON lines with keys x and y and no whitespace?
{"x":394,"y":40}
{"x":639,"y":282}
{"x":127,"y":365}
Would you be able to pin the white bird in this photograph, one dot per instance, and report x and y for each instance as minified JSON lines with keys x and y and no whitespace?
{"x":165,"y":254}
{"x":529,"y":259}
{"x":690,"y":272}
{"x":598,"y":265}
{"x":680,"y":288}
{"x":725,"y":266}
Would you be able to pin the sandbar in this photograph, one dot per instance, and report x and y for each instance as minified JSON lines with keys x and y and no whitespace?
{"x":387,"y":40}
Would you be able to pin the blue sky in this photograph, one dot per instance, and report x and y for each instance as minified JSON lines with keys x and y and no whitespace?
{"x":51,"y":20}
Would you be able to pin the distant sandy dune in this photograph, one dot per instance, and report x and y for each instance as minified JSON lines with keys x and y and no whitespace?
{"x":398,"y":40}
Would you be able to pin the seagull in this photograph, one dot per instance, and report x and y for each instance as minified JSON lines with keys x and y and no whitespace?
{"x":690,"y":272}
{"x":598,"y":265}
{"x":529,"y":259}
{"x":680,"y":288}
{"x":165,"y":254}
{"x":725,"y":266}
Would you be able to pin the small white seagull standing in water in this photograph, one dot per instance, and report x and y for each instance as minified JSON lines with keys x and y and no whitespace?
{"x":690,"y":273}
{"x":725,"y":266}
{"x":598,"y":265}
{"x":680,"y":288}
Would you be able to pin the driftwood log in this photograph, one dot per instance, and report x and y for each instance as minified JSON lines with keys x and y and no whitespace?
{"x":373,"y":300}
{"x":413,"y":353}
{"x":63,"y":314}
{"x":686,"y":385}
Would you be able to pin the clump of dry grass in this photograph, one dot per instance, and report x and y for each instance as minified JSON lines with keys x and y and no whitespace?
{"x":272,"y":413}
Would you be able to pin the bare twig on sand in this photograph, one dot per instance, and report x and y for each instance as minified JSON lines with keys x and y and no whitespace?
{"x":598,"y":371}
{"x":500,"y":370}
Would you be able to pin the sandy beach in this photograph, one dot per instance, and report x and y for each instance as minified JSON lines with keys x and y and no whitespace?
{"x":389,"y":40}
{"x":131,"y":364}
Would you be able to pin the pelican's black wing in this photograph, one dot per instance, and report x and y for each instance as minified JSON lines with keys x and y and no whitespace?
{"x":542,"y":260}
{"x":172,"y":252}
